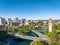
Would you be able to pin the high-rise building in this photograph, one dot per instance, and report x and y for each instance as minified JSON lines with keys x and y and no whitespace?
{"x":16,"y":21}
{"x":26,"y":22}
{"x":50,"y":25}
{"x":9,"y":21}
{"x":23,"y":21}
{"x":2,"y":21}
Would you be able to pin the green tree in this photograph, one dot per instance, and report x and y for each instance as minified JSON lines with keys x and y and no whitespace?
{"x":53,"y":38}
{"x":47,"y":33}
{"x":58,"y":26}
{"x":26,"y":28}
{"x":54,"y":26}
{"x":36,"y":42}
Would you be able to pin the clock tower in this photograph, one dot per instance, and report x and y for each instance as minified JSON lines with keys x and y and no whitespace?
{"x":50,"y":24}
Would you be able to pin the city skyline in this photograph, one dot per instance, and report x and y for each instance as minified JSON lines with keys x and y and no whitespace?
{"x":30,"y":9}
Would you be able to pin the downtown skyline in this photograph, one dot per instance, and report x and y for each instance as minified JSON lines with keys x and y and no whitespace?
{"x":30,"y":9}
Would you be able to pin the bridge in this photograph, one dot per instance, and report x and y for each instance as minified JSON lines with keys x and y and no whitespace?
{"x":24,"y":37}
{"x":41,"y":36}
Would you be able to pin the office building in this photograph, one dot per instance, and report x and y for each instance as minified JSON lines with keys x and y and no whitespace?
{"x":2,"y":21}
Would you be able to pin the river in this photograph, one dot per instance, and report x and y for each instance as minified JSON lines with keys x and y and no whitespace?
{"x":10,"y":41}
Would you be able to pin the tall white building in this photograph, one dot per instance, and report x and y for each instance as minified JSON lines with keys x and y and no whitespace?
{"x":2,"y":21}
{"x":26,"y":22}
{"x":50,"y":25}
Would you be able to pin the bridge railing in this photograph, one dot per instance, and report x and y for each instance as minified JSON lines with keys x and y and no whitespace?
{"x":39,"y":34}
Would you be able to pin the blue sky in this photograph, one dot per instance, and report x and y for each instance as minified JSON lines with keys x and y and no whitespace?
{"x":30,"y":9}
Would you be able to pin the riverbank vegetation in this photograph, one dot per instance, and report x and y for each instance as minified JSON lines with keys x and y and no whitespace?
{"x":36,"y":42}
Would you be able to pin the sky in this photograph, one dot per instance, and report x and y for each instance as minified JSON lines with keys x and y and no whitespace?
{"x":30,"y":9}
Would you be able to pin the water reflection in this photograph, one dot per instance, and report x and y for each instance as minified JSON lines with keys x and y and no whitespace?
{"x":16,"y":42}
{"x":10,"y":41}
